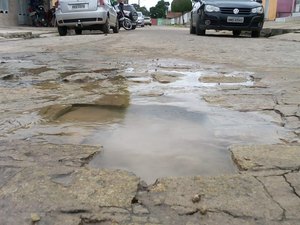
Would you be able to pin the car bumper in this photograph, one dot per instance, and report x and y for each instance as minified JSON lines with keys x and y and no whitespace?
{"x":81,"y":18}
{"x":139,"y":22}
{"x":217,"y":21}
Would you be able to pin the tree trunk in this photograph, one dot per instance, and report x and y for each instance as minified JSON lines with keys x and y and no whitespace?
{"x":182,"y":14}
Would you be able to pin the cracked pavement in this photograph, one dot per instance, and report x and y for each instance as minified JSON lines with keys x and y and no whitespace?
{"x":51,"y":183}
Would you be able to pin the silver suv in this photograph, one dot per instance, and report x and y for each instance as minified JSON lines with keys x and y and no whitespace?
{"x":86,"y":15}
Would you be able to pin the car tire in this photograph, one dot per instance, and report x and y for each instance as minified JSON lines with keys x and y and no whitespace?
{"x":199,"y":31}
{"x":133,"y":27}
{"x":106,"y":27}
{"x":78,"y":31}
{"x":255,"y":33}
{"x":236,"y":33}
{"x":116,"y":28}
{"x":192,"y":28}
{"x":62,"y":31}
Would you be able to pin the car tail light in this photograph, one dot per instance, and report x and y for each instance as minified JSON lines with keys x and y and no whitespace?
{"x":100,"y":3}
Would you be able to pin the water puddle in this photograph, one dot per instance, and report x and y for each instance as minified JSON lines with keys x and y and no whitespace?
{"x":92,"y":114}
{"x":162,"y":127}
{"x":157,"y":140}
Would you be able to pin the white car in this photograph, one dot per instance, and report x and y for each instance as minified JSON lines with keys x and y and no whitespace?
{"x":140,"y":20}
{"x":86,"y":15}
{"x":147,"y":21}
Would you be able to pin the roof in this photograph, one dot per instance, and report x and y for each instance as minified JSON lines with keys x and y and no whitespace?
{"x":172,"y":15}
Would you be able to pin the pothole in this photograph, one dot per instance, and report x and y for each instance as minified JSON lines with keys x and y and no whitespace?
{"x":160,"y":125}
{"x":159,"y":139}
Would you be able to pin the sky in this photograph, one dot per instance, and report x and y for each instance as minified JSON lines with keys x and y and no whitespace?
{"x":147,"y":3}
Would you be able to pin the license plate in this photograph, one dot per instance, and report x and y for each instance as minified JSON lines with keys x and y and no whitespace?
{"x":78,"y":6}
{"x":232,"y":19}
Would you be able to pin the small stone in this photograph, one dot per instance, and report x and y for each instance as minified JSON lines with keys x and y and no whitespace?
{"x":196,"y":198}
{"x":203,"y":210}
{"x":35,"y":217}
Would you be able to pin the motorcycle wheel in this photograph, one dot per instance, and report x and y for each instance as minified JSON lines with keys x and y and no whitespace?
{"x":126,"y":23}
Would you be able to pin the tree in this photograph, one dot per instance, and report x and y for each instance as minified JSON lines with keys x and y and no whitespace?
{"x":141,"y":9}
{"x":159,"y":11}
{"x":182,"y":6}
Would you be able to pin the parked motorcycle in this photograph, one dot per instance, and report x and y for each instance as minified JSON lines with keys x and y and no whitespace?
{"x":38,"y":17}
{"x":124,"y":21}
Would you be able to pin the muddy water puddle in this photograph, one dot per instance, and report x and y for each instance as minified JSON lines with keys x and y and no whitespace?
{"x":157,"y":139}
{"x":164,"y":129}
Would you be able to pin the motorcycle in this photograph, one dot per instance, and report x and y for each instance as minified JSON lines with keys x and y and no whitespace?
{"x":124,"y":21}
{"x":38,"y":17}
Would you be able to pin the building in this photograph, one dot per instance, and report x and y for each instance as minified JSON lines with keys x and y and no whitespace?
{"x":16,"y":12}
{"x":281,"y":8}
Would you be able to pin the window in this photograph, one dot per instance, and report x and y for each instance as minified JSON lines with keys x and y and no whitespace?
{"x":3,"y":6}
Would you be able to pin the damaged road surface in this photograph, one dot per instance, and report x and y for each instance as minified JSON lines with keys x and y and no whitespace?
{"x":98,"y":131}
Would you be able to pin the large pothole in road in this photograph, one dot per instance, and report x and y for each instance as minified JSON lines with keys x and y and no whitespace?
{"x":163,"y":127}
{"x":158,"y":139}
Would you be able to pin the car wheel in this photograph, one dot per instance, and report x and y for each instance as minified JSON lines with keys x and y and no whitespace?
{"x":255,"y":33}
{"x":78,"y":31}
{"x":133,"y":27}
{"x":116,"y":28}
{"x":62,"y":31}
{"x":199,"y":31}
{"x":106,"y":27}
{"x":126,"y":24}
{"x":236,"y":32}
{"x":192,"y":28}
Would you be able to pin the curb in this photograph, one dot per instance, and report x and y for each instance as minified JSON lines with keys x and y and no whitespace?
{"x":24,"y":35}
{"x":268,"y":32}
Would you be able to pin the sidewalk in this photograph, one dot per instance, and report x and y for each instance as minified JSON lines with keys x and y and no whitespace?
{"x":272,"y":28}
{"x":25,"y":31}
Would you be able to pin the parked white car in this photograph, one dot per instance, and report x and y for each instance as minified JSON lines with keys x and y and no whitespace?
{"x":147,"y":21}
{"x":140,"y":21}
{"x":86,"y":15}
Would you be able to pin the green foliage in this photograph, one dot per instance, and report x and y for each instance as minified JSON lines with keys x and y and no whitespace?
{"x":181,"y":6}
{"x":159,"y":11}
{"x":141,"y":9}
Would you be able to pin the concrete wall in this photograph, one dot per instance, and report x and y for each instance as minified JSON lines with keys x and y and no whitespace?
{"x":11,"y":17}
{"x":270,"y":9}
{"x":285,"y":7}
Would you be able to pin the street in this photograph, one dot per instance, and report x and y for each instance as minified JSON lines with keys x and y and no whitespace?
{"x":90,"y":122}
